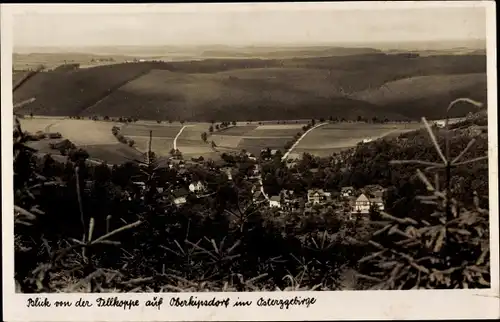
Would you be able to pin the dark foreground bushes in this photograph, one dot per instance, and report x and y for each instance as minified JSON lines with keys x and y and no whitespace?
{"x":81,"y":228}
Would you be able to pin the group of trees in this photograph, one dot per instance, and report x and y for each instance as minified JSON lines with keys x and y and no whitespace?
{"x":223,"y":125}
{"x":120,"y":137}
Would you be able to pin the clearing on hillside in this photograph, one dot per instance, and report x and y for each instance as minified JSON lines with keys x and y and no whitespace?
{"x":334,"y":137}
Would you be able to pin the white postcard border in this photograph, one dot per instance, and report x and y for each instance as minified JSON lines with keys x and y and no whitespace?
{"x":345,"y":305}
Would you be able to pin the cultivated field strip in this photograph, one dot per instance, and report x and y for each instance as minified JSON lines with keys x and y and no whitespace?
{"x":166,"y":130}
{"x":335,"y":137}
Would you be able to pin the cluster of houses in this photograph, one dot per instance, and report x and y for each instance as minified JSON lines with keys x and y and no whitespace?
{"x":179,"y":195}
{"x":353,"y":201}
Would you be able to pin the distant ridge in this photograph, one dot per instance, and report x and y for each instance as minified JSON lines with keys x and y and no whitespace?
{"x":344,"y":86}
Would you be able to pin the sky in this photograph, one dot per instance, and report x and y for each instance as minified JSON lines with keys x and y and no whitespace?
{"x":38,"y":26}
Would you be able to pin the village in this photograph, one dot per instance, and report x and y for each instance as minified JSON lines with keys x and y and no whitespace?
{"x":353,"y":203}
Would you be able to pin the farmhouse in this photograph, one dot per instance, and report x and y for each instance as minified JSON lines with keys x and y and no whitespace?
{"x":317,"y":196}
{"x":364,"y":204}
{"x":275,"y":202}
{"x":197,"y":187}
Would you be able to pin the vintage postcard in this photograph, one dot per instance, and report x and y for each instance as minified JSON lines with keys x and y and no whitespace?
{"x":239,"y":161}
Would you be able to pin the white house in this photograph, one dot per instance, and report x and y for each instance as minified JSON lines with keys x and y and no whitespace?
{"x":275,"y":202}
{"x":251,"y":156}
{"x":317,"y":196}
{"x":440,"y":123}
{"x":197,"y":187}
{"x":362,"y":204}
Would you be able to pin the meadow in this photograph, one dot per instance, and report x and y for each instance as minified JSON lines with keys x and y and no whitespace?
{"x":325,"y":140}
{"x":96,"y":137}
{"x":93,"y":136}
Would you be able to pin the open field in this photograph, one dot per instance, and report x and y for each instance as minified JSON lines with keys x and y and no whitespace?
{"x":159,"y":145}
{"x":255,"y":145}
{"x":93,"y":136}
{"x":226,"y":141}
{"x":253,"y":138}
{"x":113,"y":153}
{"x":159,"y":130}
{"x":33,"y":125}
{"x":80,"y":132}
{"x":236,"y":130}
{"x":331,"y":138}
{"x":85,"y":132}
{"x":52,"y":60}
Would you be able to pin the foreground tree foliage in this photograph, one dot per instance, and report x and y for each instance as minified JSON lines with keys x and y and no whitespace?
{"x":85,"y":227}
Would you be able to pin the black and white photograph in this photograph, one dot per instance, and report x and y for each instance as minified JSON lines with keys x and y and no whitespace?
{"x":175,"y":149}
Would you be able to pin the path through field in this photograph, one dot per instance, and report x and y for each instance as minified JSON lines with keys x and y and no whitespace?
{"x":298,"y":141}
{"x":177,"y":136}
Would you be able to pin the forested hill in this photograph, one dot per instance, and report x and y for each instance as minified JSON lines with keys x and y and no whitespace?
{"x":394,"y":86}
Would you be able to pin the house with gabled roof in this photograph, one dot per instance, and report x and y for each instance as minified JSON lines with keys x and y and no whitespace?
{"x":317,"y":196}
{"x":275,"y":202}
{"x":180,"y":196}
{"x":197,"y":187}
{"x":364,"y":204}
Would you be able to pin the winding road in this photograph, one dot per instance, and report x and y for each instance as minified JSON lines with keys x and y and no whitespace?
{"x":178,"y":134}
{"x":297,"y":142}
